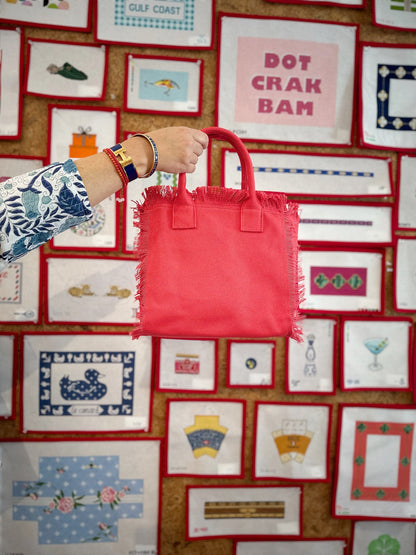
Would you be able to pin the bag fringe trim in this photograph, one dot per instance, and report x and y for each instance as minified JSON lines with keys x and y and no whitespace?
{"x":153,"y":196}
{"x":214,"y":195}
{"x":296,"y":277}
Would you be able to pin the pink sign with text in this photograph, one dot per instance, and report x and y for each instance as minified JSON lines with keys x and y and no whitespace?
{"x":286,"y":82}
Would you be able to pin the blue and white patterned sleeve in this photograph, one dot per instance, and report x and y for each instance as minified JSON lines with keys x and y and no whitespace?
{"x":37,"y":206}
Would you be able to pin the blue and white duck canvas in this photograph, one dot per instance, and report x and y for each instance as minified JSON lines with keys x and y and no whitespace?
{"x":90,"y":388}
{"x":86,"y":382}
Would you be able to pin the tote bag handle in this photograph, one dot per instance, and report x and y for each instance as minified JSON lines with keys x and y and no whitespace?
{"x":184,"y":209}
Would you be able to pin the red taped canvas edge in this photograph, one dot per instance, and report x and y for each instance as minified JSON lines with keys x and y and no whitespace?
{"x":334,"y":358}
{"x":243,"y":404}
{"x":328,"y":442}
{"x":64,"y":97}
{"x":273,"y":362}
{"x":410,"y":354}
{"x":51,"y":434}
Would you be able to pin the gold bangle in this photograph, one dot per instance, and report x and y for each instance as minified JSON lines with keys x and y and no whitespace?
{"x":155,"y":154}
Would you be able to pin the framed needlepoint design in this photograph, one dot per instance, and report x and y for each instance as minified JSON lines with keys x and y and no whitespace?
{"x":387,"y":105}
{"x":383,"y":535}
{"x":158,"y":84}
{"x":76,"y":132}
{"x":404,"y":293}
{"x":72,"y":15}
{"x":8,"y":374}
{"x":282,"y":80}
{"x":20,"y":285}
{"x":169,"y":24}
{"x":67,"y":70}
{"x":80,"y":495}
{"x":292,"y":441}
{"x":89,"y":382}
{"x":205,"y":438}
{"x":310,"y":365}
{"x":90,"y":290}
{"x":307,"y":546}
{"x":186,"y":364}
{"x":99,"y":233}
{"x":376,"y":354}
{"x":406,"y":193}
{"x":250,"y":363}
{"x":366,"y":489}
{"x":11,"y":65}
{"x":243,"y":511}
{"x":311,"y":174}
{"x":394,"y":14}
{"x":11,"y":165}
{"x":343,"y":280}
{"x":353,"y":223}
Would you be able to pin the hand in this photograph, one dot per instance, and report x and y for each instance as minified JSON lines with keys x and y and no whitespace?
{"x":179,"y":148}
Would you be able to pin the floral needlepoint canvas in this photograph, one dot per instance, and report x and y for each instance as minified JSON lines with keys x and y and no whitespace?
{"x":80,"y":496}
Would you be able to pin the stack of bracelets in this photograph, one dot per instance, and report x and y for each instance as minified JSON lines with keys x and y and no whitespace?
{"x":124,"y":164}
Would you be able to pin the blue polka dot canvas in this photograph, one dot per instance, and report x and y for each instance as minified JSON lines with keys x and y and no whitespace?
{"x":60,"y":496}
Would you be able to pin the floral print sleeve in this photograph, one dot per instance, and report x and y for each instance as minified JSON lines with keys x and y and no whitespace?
{"x":37,"y":206}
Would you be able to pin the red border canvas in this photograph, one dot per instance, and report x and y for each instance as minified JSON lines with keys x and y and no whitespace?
{"x":347,"y":240}
{"x":52,"y":433}
{"x":305,"y":193}
{"x":44,"y":279}
{"x":395,"y":277}
{"x":342,"y":349}
{"x":168,"y":59}
{"x":328,"y":442}
{"x":85,"y":29}
{"x":20,"y":91}
{"x":350,"y":142}
{"x":64,"y":97}
{"x":334,"y":366}
{"x":110,"y":438}
{"x":80,"y":107}
{"x":398,"y":194}
{"x":377,"y":24}
{"x":241,"y":402}
{"x":354,"y":516}
{"x":382,"y":289}
{"x":42,"y":159}
{"x":156,"y":45}
{"x":272,"y":369}
{"x":96,"y":248}
{"x":41,"y":309}
{"x":157,"y":348}
{"x":303,"y":539}
{"x":362,"y":142}
{"x":326,"y":3}
{"x":16,"y":350}
{"x":252,"y":536}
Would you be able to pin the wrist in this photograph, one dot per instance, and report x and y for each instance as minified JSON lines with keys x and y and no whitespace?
{"x":143,"y":152}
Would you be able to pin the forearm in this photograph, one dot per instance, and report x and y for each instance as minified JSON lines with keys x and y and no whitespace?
{"x":178,"y":151}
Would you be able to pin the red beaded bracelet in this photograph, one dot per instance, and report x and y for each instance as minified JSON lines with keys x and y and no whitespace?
{"x":116,"y":164}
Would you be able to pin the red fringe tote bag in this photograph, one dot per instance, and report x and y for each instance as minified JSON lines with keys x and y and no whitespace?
{"x":217,"y":262}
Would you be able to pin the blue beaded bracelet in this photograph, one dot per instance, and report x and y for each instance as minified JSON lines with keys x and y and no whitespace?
{"x":155,"y":154}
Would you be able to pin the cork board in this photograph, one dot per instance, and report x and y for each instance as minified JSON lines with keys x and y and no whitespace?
{"x":317,"y":520}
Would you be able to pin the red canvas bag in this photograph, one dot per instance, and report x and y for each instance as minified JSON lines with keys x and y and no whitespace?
{"x":217,"y":262}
